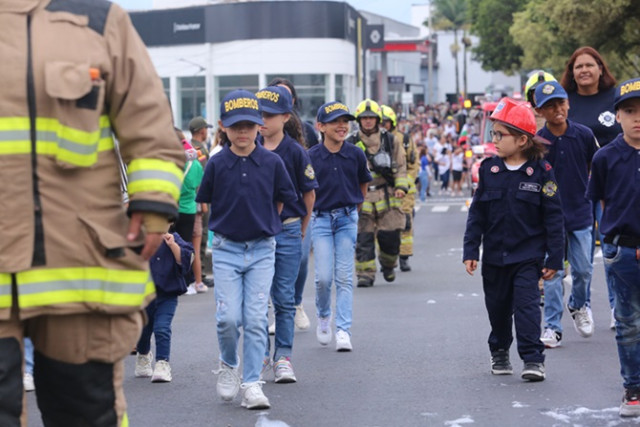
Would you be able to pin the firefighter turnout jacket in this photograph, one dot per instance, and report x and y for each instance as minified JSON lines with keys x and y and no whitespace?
{"x":63,"y":222}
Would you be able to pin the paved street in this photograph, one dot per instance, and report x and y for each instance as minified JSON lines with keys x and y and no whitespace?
{"x":420,"y":358}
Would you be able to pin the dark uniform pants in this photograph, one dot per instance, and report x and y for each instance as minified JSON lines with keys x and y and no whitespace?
{"x":78,"y":368}
{"x":511,"y":292}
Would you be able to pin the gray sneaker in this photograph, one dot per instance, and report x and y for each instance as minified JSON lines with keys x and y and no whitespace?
{"x":630,"y":406}
{"x":283,"y":371}
{"x":533,"y":371}
{"x":500,"y":364}
{"x":253,"y":397}
{"x":228,"y":382}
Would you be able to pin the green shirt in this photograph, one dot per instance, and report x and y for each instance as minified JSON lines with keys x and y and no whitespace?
{"x":187,"y":203}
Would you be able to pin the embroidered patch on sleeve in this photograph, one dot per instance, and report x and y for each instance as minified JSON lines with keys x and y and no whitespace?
{"x":550,"y":189}
{"x":309,"y":172}
{"x":530,"y":186}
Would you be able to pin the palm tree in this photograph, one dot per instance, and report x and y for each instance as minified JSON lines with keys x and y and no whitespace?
{"x":452,"y":15}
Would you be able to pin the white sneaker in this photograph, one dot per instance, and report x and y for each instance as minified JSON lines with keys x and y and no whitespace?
{"x":612,"y":325}
{"x":228,"y":382}
{"x":582,"y":321}
{"x":283,"y":371}
{"x":551,"y":338}
{"x":200,"y":288}
{"x":266,"y":367}
{"x":323,"y":330}
{"x":191,"y":290}
{"x":28,"y":383}
{"x":253,"y":397}
{"x":300,"y":319}
{"x":143,"y":365}
{"x":162,"y":372}
{"x":272,"y":328}
{"x":343,"y":341}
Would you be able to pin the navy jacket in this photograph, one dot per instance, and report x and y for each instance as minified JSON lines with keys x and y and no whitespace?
{"x":516,"y":215}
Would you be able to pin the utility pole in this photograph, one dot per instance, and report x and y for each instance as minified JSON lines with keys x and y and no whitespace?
{"x":430,"y":70}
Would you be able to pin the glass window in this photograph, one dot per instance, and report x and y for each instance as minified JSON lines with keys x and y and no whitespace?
{"x":228,"y":83}
{"x":311,"y":91}
{"x":191,"y":99}
{"x":340,"y":93}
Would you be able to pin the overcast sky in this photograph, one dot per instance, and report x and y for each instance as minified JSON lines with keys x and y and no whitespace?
{"x":399,"y":10}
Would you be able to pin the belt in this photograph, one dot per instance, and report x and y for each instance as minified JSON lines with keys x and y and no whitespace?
{"x":622,"y":240}
{"x":291,"y":220}
{"x":345,"y":210}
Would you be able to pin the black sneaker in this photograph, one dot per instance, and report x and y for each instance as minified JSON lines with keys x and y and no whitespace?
{"x":500,"y":364}
{"x":208,"y":282}
{"x":389,"y":274}
{"x":630,"y":406}
{"x":365,"y":282}
{"x":533,"y":371}
{"x":404,"y":264}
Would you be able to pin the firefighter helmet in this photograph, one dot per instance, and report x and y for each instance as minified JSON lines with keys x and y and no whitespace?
{"x":517,"y":115}
{"x":368,"y":108}
{"x":389,"y":114}
{"x":536,"y":78}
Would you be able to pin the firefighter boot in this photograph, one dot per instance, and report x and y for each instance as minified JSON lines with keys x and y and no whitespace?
{"x":364,"y":282}
{"x":404,"y":263}
{"x":389,"y":274}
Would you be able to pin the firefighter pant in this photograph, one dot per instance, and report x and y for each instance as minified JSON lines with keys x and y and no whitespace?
{"x":406,"y":237}
{"x":511,"y":295}
{"x":387,"y":225}
{"x":78,"y":372}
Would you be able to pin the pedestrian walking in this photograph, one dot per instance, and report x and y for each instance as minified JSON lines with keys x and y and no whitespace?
{"x":74,"y":269}
{"x":516,"y":214}
{"x":343,"y":176}
{"x":613,"y":183}
{"x":246,"y":186}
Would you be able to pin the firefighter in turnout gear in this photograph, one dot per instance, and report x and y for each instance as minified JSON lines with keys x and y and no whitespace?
{"x":390,"y":123}
{"x":74,"y":271}
{"x":380,"y":215}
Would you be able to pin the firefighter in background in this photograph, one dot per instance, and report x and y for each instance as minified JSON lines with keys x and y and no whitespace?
{"x":390,"y":123}
{"x":380,"y":215}
{"x":74,"y":271}
{"x":530,"y":86}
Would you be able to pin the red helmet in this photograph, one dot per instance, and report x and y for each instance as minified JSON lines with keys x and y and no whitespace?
{"x":515,"y":114}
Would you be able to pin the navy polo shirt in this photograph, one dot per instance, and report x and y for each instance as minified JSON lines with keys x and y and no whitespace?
{"x":597,"y":113}
{"x":516,"y":215}
{"x":244,"y":191}
{"x":615,"y":178}
{"x":339,"y":176}
{"x":167,"y":274}
{"x":570,"y":155}
{"x":298,"y":165}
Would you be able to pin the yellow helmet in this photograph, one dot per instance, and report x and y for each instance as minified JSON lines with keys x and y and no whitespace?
{"x":536,"y":78}
{"x":389,"y":114}
{"x":368,"y":108}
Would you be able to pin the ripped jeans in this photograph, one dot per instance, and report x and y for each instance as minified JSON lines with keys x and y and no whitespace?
{"x":243,"y":272}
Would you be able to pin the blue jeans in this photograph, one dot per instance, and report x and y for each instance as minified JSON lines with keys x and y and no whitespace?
{"x":334,"y":244}
{"x":160,"y":312}
{"x":597,"y":214}
{"x":424,"y":184}
{"x":579,"y":256}
{"x":28,"y":356}
{"x":304,"y":266}
{"x":243,"y":272}
{"x":288,"y":252}
{"x":624,"y":268}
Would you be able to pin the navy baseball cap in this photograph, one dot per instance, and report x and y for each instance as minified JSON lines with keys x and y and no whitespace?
{"x":275,"y":100}
{"x":627,"y":90}
{"x":240,"y":106}
{"x":332,"y":110}
{"x":547,"y":91}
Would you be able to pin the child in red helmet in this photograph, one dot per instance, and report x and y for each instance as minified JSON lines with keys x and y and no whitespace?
{"x":516,"y":214}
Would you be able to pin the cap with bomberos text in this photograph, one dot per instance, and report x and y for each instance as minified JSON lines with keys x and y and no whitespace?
{"x":333,"y":110}
{"x":240,"y":106}
{"x":627,"y":90}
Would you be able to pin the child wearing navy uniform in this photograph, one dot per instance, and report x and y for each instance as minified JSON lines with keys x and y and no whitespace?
{"x":615,"y":179}
{"x":246,"y":186}
{"x":342,"y":174}
{"x":571,"y":149}
{"x":169,"y":266}
{"x":276,"y":106}
{"x":517,"y":216}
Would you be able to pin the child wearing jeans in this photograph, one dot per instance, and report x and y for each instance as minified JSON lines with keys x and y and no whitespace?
{"x":517,"y":215}
{"x":247,"y":186}
{"x":342,"y":173}
{"x":614,"y":183}
{"x":169,"y":265}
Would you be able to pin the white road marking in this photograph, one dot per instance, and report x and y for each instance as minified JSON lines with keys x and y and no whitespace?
{"x":440,"y":208}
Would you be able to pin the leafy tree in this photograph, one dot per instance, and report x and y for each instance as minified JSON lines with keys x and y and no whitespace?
{"x":548,"y":31}
{"x":452,"y":15}
{"x":491,"y":20}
